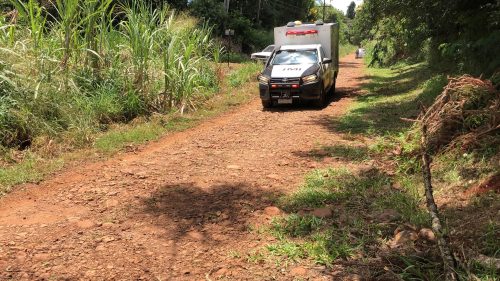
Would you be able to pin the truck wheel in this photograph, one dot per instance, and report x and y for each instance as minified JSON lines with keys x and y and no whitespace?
{"x":321,"y":102}
{"x":267,"y":104}
{"x":331,"y":92}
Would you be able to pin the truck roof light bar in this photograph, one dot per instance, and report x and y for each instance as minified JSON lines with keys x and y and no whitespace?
{"x":301,"y":32}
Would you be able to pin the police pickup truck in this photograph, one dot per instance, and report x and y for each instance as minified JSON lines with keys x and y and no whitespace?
{"x":303,"y":66}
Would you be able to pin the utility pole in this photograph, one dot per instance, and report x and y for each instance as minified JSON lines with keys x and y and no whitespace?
{"x":258,"y":12}
{"x":324,"y":9}
{"x":228,"y":32}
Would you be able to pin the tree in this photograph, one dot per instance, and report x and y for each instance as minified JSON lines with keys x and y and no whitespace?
{"x":242,"y":17}
{"x":461,"y":34}
{"x":351,"y":10}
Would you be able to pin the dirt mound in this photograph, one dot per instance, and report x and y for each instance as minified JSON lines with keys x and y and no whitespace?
{"x":468,"y":109}
{"x":492,"y":183}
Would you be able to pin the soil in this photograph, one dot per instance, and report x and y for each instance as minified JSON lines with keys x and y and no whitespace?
{"x":181,"y":208}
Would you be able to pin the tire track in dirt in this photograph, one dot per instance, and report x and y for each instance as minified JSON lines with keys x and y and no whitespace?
{"x":180,"y":208}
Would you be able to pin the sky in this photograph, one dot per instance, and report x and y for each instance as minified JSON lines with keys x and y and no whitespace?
{"x":342,"y":4}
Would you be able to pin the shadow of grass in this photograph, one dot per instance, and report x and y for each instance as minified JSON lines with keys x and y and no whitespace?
{"x":357,"y":232}
{"x":368,"y":192}
{"x":338,"y":151}
{"x":392,"y":95}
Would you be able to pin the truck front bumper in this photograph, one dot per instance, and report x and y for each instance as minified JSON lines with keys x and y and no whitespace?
{"x":306,"y":92}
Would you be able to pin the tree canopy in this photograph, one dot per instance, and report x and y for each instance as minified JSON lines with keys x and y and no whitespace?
{"x":252,"y":25}
{"x":462,"y":33}
{"x":351,"y":10}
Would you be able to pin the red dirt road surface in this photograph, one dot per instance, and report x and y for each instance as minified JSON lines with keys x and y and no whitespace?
{"x":181,"y":208}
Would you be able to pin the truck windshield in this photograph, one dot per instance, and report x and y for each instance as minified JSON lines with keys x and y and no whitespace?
{"x":287,"y":57}
{"x":269,"y":48}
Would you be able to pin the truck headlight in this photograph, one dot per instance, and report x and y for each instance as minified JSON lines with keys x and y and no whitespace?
{"x":310,"y":79}
{"x":263,"y":79}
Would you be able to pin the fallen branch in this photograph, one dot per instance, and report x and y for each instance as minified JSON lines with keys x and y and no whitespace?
{"x":448,"y":260}
{"x":409,"y":120}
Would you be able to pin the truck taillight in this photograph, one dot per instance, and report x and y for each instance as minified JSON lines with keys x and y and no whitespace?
{"x":295,"y":86}
{"x":301,"y":32}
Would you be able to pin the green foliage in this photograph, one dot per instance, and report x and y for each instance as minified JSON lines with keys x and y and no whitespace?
{"x":91,"y":68}
{"x":31,"y":169}
{"x":118,"y":139}
{"x":287,"y":249}
{"x":348,"y":153}
{"x":253,"y":27}
{"x":461,"y":35}
{"x":295,"y":225}
{"x":351,"y":231}
{"x":248,"y":72}
{"x":351,"y":10}
{"x":397,"y":92}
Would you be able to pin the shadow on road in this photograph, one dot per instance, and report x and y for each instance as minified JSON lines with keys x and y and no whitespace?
{"x":205,"y":218}
{"x":191,"y":207}
{"x":340,"y":93}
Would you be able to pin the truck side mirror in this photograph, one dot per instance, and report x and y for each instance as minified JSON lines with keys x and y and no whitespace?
{"x":327,"y":60}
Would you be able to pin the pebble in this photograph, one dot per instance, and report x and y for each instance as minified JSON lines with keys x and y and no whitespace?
{"x":389,"y":215}
{"x":298,"y":271}
{"x":112,"y":203}
{"x":403,"y":238}
{"x":273,"y":177}
{"x":196,"y":235}
{"x":272,"y":211}
{"x":322,"y":212}
{"x":427,"y":234}
{"x":85,"y":224}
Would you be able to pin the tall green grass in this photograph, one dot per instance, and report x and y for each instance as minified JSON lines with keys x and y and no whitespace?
{"x":95,"y":63}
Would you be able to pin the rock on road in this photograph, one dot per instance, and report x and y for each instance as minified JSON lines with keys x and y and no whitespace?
{"x":180,"y":208}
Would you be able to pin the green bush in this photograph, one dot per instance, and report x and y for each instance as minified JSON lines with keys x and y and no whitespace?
{"x":76,"y":75}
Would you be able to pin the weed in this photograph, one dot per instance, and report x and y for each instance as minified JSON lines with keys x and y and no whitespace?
{"x":256,"y":256}
{"x":348,"y":153}
{"x":30,"y":169}
{"x":491,"y":247}
{"x":350,"y":234}
{"x":244,"y":74}
{"x":346,"y":49}
{"x":287,"y":249}
{"x":295,"y":225}
{"x":90,"y":72}
{"x":326,"y":247}
{"x":418,"y":268}
{"x":117,"y":139}
{"x":481,"y":272}
{"x":234,"y":254}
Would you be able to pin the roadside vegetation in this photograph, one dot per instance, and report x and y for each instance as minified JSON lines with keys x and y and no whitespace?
{"x":86,"y":78}
{"x":35,"y":163}
{"x":372,"y":220}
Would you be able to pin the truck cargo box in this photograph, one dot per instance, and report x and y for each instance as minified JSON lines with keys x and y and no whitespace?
{"x":327,"y":35}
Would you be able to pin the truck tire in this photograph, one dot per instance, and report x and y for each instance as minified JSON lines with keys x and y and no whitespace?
{"x":267,"y":104}
{"x":331,"y":92}
{"x":321,"y":102}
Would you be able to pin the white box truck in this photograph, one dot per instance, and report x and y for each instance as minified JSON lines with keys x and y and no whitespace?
{"x":303,"y":66}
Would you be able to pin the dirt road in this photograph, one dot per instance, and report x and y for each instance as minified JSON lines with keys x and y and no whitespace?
{"x":182,"y":208}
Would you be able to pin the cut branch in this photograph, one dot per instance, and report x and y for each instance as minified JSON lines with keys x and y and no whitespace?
{"x":448,"y":260}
